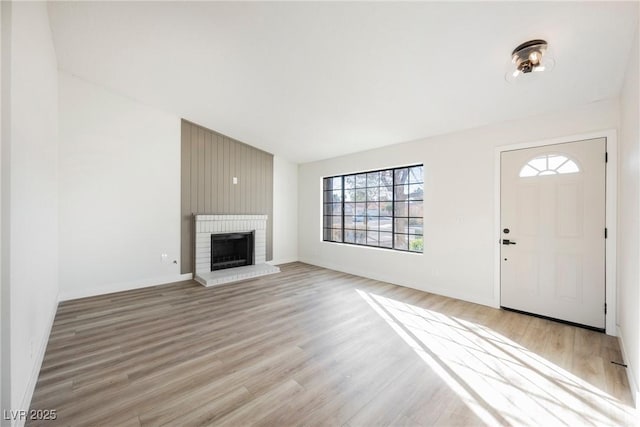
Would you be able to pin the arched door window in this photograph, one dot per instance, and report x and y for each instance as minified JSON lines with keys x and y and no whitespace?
{"x":549,"y":164}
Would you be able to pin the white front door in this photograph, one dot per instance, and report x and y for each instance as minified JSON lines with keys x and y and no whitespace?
{"x":553,"y":231}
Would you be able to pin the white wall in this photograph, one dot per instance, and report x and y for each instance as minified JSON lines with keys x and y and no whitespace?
{"x":629,"y":217}
{"x":33,"y":195}
{"x":458,"y":258}
{"x":119,"y":191}
{"x":5,"y":384}
{"x":285,"y":211}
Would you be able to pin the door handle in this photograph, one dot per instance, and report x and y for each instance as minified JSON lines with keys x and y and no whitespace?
{"x":507,"y":242}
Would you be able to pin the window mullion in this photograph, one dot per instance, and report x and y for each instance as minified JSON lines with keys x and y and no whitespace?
{"x":393,"y":208}
{"x":342,"y":207}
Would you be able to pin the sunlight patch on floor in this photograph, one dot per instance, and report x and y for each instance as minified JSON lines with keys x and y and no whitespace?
{"x":501,"y":381}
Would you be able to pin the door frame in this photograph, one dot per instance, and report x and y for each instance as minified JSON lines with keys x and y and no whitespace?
{"x":611,"y":200}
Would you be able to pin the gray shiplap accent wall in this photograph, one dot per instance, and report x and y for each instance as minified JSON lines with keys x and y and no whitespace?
{"x":209,"y":162}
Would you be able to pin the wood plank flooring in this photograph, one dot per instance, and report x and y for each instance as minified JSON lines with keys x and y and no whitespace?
{"x":311,"y":346}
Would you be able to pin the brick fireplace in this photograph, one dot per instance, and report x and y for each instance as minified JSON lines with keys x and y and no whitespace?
{"x":212,"y":228}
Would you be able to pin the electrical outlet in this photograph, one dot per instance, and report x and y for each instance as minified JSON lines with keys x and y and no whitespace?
{"x":164,"y":257}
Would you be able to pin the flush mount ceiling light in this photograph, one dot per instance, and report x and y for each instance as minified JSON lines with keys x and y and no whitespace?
{"x":529,"y":58}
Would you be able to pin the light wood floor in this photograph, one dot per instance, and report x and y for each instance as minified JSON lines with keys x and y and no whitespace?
{"x":310,"y":346}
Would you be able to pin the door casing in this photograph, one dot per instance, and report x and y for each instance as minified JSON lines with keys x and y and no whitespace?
{"x":610,"y":214}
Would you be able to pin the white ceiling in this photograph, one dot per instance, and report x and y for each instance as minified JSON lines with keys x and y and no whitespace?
{"x":316,"y":80}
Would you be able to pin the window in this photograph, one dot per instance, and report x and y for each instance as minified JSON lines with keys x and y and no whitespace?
{"x":380,"y":208}
{"x":549,"y":164}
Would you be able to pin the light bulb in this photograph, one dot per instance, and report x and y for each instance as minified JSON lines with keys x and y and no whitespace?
{"x":534,"y":57}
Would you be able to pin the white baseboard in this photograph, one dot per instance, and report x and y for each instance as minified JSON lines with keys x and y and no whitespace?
{"x":33,"y":379}
{"x":635,"y":392}
{"x":125,"y":286}
{"x":391,"y":279}
{"x":282,"y":261}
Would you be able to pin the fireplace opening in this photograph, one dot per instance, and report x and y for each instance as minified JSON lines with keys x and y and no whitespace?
{"x":231,"y":250}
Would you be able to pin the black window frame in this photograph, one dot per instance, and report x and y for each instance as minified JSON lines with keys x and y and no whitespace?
{"x":349,"y":232}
